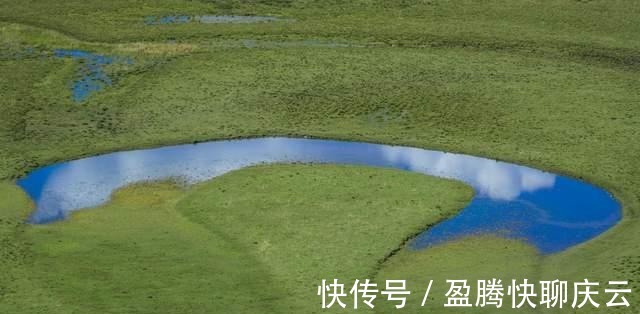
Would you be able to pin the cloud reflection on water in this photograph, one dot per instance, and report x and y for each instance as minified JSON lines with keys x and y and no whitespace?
{"x":494,"y":179}
{"x":548,"y":211}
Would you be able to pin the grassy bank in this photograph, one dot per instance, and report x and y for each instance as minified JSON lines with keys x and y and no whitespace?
{"x":553,"y":85}
{"x":216,"y":248}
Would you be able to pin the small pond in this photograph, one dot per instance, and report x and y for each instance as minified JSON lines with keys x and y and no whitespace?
{"x":210,"y":19}
{"x":91,"y":76}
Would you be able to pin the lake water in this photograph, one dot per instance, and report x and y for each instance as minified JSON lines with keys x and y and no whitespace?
{"x":549,"y":211}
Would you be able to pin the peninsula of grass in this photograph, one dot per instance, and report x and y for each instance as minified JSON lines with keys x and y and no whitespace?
{"x":212,"y":248}
{"x":553,"y":85}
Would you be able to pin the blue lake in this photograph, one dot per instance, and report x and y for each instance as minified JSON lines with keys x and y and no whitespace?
{"x":549,"y":211}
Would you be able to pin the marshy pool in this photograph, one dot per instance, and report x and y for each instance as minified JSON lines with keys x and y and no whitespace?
{"x":91,"y":76}
{"x":551,"y":212}
{"x":211,"y":19}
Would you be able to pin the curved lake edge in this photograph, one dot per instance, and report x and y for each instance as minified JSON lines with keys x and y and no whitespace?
{"x":339,"y":141}
{"x":612,"y":190}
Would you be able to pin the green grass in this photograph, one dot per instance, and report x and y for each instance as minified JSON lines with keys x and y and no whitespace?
{"x":216,"y":248}
{"x":550,"y":84}
{"x":470,"y":259}
{"x":498,"y":23}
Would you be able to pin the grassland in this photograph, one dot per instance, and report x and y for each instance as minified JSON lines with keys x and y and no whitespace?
{"x":553,"y":84}
{"x":157,"y":248}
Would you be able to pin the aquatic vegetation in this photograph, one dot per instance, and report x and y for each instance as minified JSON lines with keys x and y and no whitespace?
{"x":91,"y":76}
{"x":210,"y":19}
{"x":169,"y":19}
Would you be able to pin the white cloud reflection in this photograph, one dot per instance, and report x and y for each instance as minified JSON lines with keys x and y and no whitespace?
{"x":89,"y":182}
{"x":494,"y":179}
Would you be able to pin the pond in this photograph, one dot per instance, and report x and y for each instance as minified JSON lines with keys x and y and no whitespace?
{"x":549,"y":211}
{"x":210,"y":19}
{"x":91,"y":76}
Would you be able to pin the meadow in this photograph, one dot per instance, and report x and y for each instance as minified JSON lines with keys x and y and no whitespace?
{"x":550,"y":84}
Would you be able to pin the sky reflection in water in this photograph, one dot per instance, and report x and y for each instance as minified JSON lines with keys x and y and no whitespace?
{"x":550,"y":212}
